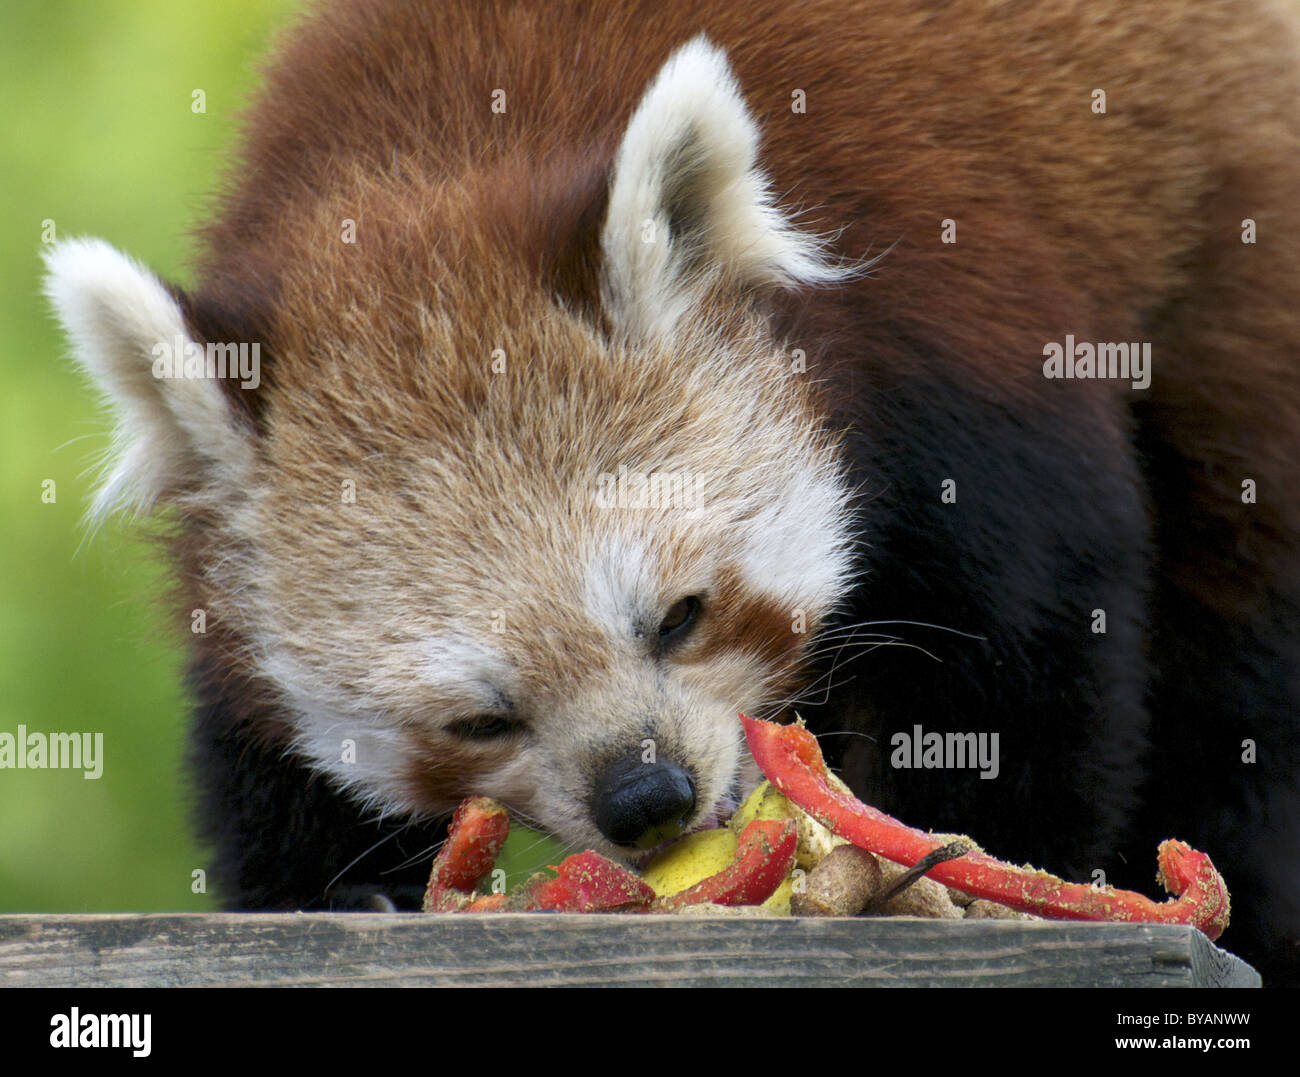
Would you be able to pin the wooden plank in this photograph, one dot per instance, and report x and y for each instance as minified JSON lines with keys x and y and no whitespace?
{"x":377,"y":949}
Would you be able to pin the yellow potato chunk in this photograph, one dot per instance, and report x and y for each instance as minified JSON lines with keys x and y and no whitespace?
{"x":695,"y":857}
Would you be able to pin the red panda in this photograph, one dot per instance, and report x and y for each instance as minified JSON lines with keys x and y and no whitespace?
{"x":929,"y":368}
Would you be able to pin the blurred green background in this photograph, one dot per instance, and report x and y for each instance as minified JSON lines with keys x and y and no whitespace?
{"x":99,"y":138}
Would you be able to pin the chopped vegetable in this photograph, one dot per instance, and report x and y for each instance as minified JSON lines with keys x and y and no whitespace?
{"x":488,"y":903}
{"x":477,"y":833}
{"x":841,"y":885}
{"x":690,"y":860}
{"x":791,"y":759}
{"x":586,"y":882}
{"x":805,"y":812}
{"x":764,"y":857}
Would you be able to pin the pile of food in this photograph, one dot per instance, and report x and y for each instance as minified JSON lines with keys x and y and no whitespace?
{"x":802,"y":844}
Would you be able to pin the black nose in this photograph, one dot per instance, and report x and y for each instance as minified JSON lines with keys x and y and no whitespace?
{"x":642,"y":804}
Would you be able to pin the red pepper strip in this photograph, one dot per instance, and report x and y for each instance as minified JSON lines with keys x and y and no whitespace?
{"x":587,"y":882}
{"x":764,"y":856}
{"x":487,"y":903}
{"x":474,"y":840}
{"x":790,"y":758}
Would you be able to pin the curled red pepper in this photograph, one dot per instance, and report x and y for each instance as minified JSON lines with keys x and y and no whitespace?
{"x":764,"y":856}
{"x":791,"y":759}
{"x":587,"y":882}
{"x":478,"y":831}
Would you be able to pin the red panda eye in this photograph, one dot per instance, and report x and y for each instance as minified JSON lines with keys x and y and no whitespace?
{"x":484,"y":727}
{"x":679,"y":619}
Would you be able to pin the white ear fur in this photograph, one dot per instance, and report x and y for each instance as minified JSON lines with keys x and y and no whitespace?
{"x":116,"y":313}
{"x":687,"y":195}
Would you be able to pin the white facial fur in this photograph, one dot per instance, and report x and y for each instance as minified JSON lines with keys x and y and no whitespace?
{"x":376,"y":626}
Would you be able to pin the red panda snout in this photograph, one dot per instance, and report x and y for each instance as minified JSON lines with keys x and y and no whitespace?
{"x":637,"y":756}
{"x":641,"y":804}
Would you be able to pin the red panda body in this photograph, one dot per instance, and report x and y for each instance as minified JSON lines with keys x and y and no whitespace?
{"x":490,"y":249}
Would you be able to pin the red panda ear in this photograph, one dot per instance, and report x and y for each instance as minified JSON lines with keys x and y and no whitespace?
{"x":174,"y":421}
{"x":687,"y":198}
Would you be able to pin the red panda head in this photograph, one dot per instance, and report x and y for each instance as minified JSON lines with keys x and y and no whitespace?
{"x":487,"y":533}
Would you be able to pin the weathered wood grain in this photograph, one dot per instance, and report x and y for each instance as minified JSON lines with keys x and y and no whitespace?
{"x":373,"y":949}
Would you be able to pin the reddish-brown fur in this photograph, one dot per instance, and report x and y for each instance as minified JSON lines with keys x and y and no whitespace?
{"x":1117,"y":227}
{"x":1073,"y":229}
